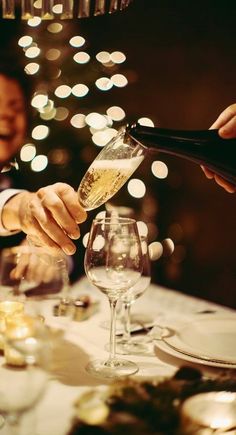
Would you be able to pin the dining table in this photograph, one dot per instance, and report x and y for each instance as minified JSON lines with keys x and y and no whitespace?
{"x":81,"y":341}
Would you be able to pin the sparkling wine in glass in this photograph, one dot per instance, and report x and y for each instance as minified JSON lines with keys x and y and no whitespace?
{"x":110,"y":170}
{"x":127,"y":344}
{"x":113,"y":263}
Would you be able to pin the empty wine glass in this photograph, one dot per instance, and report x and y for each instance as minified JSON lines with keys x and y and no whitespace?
{"x":113,"y":263}
{"x":127,"y":344}
{"x":110,"y":170}
{"x":32,"y":271}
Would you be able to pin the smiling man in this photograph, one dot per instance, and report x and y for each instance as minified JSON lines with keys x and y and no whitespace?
{"x":13,"y":120}
{"x":51,"y":215}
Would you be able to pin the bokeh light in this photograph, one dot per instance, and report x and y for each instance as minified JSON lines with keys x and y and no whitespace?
{"x":136,"y":188}
{"x":104,"y":84}
{"x":27,"y":152}
{"x":37,"y":4}
{"x":119,"y":80}
{"x":61,"y":113}
{"x":32,"y":52}
{"x":34,"y":22}
{"x":52,"y":54}
{"x":39,"y":163}
{"x":39,"y":100}
{"x":146,"y":121}
{"x":40,"y":132}
{"x":80,"y":90}
{"x":116,"y":113}
{"x":48,"y":115}
{"x":25,"y":41}
{"x":102,"y":137}
{"x":95,"y":120}
{"x":55,"y":27}
{"x":103,"y":57}
{"x":81,"y":57}
{"x":77,"y":41}
{"x":57,"y":8}
{"x":63,"y":91}
{"x":78,"y":120}
{"x":47,"y":107}
{"x":59,"y":156}
{"x":117,"y":57}
{"x":31,"y":68}
{"x":159,"y":169}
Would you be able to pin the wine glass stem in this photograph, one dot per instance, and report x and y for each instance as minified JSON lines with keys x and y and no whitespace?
{"x":127,"y":324}
{"x":2,"y":421}
{"x":65,"y":279}
{"x":112,"y":343}
{"x":13,"y":421}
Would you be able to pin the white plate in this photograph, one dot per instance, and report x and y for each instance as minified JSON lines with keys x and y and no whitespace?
{"x":169,"y":351}
{"x":209,"y":338}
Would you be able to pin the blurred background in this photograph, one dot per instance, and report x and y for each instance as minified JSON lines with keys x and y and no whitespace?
{"x":169,"y":65}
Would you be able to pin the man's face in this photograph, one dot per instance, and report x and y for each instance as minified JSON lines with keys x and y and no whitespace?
{"x":12,"y":118}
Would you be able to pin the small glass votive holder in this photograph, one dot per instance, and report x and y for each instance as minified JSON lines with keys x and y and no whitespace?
{"x":8,"y":309}
{"x":209,"y":413}
{"x":18,"y":328}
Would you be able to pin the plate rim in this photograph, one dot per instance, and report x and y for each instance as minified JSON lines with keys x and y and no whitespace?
{"x":163,"y":346}
{"x":178,"y":326}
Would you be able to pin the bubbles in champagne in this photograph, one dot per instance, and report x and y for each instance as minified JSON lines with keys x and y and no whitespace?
{"x":103,"y":179}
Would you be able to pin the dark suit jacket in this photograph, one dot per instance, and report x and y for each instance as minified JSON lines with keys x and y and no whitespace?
{"x":11,"y":179}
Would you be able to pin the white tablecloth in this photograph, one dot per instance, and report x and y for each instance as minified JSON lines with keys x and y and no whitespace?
{"x":86,"y":340}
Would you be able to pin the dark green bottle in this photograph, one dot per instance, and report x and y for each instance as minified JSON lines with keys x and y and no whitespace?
{"x":204,"y":147}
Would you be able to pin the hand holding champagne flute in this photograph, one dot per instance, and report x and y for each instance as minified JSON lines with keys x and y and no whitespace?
{"x":58,"y":205}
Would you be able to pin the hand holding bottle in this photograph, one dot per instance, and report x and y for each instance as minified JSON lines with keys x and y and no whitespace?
{"x":226,"y":124}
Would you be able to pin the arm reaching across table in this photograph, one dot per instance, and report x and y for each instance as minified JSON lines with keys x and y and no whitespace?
{"x":49,"y":216}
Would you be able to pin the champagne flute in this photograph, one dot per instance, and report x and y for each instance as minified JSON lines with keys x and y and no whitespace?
{"x":127,"y":344}
{"x":113,"y":263}
{"x":110,"y":170}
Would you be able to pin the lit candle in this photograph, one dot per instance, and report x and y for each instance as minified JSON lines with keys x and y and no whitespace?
{"x":18,"y":329}
{"x":208,"y":413}
{"x":8,"y":309}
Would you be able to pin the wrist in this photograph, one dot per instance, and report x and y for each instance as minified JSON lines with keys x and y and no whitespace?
{"x":12,"y":211}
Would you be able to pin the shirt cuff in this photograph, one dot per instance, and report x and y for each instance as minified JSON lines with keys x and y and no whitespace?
{"x":4,"y":197}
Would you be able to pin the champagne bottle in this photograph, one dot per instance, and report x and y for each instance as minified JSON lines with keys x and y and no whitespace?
{"x":204,"y":147}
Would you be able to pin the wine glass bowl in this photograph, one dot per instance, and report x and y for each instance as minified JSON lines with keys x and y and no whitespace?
{"x":142,"y":284}
{"x":126,"y":344}
{"x":113,"y":263}
{"x":32,"y":271}
{"x":110,"y":170}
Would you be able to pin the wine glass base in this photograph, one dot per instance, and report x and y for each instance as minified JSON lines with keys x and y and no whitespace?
{"x":105,"y":324}
{"x":111,"y":370}
{"x":2,"y":421}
